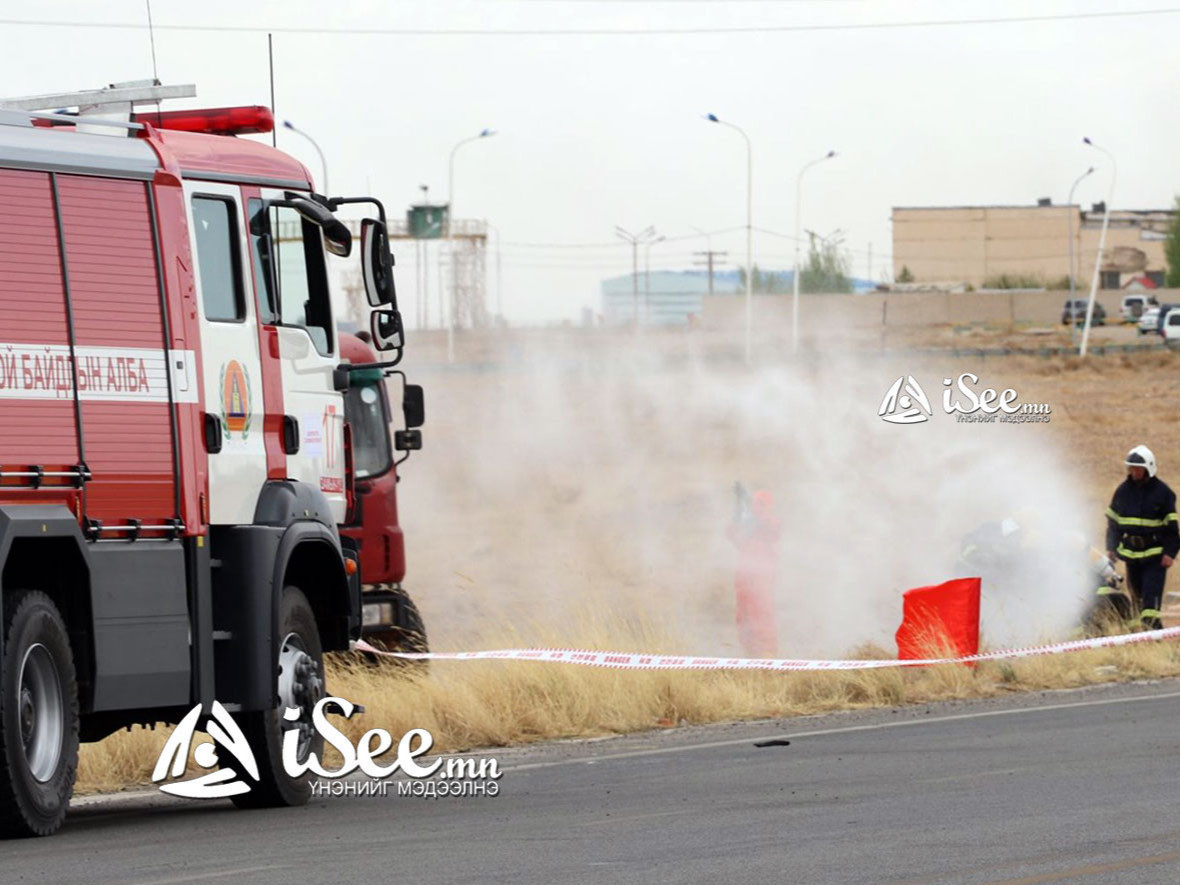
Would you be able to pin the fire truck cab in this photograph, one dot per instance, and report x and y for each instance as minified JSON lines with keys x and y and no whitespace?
{"x":174,"y":455}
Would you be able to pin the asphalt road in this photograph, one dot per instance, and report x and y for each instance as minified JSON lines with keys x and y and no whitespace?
{"x":1075,"y":786}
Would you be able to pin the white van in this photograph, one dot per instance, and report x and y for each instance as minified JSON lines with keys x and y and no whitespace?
{"x":1133,"y":306}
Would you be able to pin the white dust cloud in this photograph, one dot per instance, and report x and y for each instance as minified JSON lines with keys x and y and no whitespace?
{"x":601,"y":482}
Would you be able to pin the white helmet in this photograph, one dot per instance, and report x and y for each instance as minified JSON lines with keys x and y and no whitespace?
{"x":1142,"y":456}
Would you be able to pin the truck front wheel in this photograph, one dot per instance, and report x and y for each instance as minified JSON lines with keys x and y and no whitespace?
{"x":301,"y":684}
{"x":38,"y":718}
{"x":406,"y":631}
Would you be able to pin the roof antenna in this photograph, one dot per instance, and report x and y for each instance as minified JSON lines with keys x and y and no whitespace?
{"x":271,"y":62}
{"x":152,"y":40}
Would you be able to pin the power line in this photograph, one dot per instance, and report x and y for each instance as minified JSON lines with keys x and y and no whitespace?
{"x":596,"y":32}
{"x":620,"y":245}
{"x":615,"y":245}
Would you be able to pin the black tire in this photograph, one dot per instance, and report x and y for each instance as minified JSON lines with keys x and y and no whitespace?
{"x":265,"y":729}
{"x":38,"y":717}
{"x":409,"y":633}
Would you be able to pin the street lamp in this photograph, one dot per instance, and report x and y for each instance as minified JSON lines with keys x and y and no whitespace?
{"x":795,"y":273}
{"x":749,"y":227}
{"x":647,"y":277}
{"x":635,"y":240}
{"x":287,"y":124}
{"x":1070,"y":242}
{"x":1082,"y":351}
{"x":484,"y":133}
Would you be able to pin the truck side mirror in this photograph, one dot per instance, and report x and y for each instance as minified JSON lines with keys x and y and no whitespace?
{"x":376,"y":264}
{"x":385,"y":327}
{"x":413,"y":408}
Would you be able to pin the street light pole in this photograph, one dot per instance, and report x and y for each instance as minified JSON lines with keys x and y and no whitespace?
{"x":713,"y":118}
{"x":795,"y":273}
{"x":484,"y":133}
{"x":635,"y":240}
{"x":1070,"y":243}
{"x":287,"y":124}
{"x":1082,"y":351}
{"x":647,"y":277}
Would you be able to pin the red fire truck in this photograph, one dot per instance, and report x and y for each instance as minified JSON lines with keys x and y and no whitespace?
{"x":389,"y":616}
{"x":175,"y":459}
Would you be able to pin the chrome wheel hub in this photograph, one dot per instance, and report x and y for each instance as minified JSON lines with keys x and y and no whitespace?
{"x":41,"y":709}
{"x":300,"y":686}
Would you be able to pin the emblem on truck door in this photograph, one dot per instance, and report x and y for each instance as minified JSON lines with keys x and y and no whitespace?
{"x":235,"y":400}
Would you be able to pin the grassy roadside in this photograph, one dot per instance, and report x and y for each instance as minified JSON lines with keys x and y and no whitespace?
{"x":470,"y":704}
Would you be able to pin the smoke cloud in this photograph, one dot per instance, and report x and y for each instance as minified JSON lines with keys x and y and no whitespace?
{"x":598,"y":478}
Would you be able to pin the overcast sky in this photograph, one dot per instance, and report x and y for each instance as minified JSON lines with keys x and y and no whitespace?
{"x":601,"y":125}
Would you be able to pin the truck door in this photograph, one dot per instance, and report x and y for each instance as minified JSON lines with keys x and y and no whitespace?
{"x":230,"y":351}
{"x":291,"y":279}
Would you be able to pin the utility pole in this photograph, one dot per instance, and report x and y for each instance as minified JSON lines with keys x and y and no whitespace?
{"x":710,"y":255}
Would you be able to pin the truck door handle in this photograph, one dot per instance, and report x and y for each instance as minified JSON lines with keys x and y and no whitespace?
{"x":213,"y":438}
{"x":290,"y":435}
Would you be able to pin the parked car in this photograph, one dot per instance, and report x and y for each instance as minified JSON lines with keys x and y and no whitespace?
{"x":1076,"y":310}
{"x":1171,"y":330}
{"x":1148,"y":320}
{"x":1162,"y":316}
{"x":1133,"y":307}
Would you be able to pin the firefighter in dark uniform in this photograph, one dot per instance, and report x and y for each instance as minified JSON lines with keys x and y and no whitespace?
{"x":1142,"y":531}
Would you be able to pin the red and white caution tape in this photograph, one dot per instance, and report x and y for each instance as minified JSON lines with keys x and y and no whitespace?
{"x":630,"y":661}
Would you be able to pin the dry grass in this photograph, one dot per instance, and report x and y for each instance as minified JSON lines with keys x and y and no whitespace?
{"x":471,"y":704}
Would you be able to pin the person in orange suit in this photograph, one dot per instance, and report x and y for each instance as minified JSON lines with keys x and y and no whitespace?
{"x":755,"y":532}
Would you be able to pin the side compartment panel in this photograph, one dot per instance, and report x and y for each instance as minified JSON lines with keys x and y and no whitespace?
{"x":32,"y":312}
{"x":116,"y":303}
{"x":141,"y":625}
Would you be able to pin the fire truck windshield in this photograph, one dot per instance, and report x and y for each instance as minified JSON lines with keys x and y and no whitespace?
{"x":365,"y":409}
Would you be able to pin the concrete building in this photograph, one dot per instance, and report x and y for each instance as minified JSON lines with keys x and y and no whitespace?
{"x":674,"y":297}
{"x":976,"y":245}
{"x":662,"y":298}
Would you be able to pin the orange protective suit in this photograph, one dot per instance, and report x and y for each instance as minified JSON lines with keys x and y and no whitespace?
{"x":757,"y":540}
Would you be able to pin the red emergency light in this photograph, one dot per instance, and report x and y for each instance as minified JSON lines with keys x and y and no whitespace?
{"x":246,"y":120}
